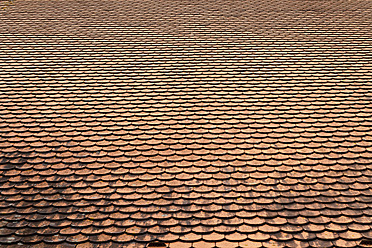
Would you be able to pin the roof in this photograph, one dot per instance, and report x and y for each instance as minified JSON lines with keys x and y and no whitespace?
{"x":193,"y":123}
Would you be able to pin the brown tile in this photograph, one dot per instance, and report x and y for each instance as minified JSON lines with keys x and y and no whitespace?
{"x":180,"y":245}
{"x":259,"y":236}
{"x":202,"y":244}
{"x":213,"y":237}
{"x":236,"y":237}
{"x":248,"y":243}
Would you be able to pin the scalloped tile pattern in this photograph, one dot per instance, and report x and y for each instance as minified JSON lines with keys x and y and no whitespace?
{"x":219,"y":123}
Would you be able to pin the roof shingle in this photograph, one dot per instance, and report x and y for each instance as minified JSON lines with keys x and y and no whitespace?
{"x":194,"y":123}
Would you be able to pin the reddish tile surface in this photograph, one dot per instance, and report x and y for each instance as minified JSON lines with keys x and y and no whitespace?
{"x":194,"y":123}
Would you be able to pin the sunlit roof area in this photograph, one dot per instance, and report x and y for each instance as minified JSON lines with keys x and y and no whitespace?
{"x":185,"y":124}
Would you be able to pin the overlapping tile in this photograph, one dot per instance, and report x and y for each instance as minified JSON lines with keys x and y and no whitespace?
{"x":189,"y":123}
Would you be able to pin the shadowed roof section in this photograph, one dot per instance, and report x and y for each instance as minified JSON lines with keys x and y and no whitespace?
{"x":219,"y":123}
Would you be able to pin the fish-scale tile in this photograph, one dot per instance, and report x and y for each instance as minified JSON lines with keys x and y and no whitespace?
{"x":254,"y":131}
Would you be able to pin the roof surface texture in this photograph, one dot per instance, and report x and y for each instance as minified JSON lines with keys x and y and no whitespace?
{"x":219,"y":123}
